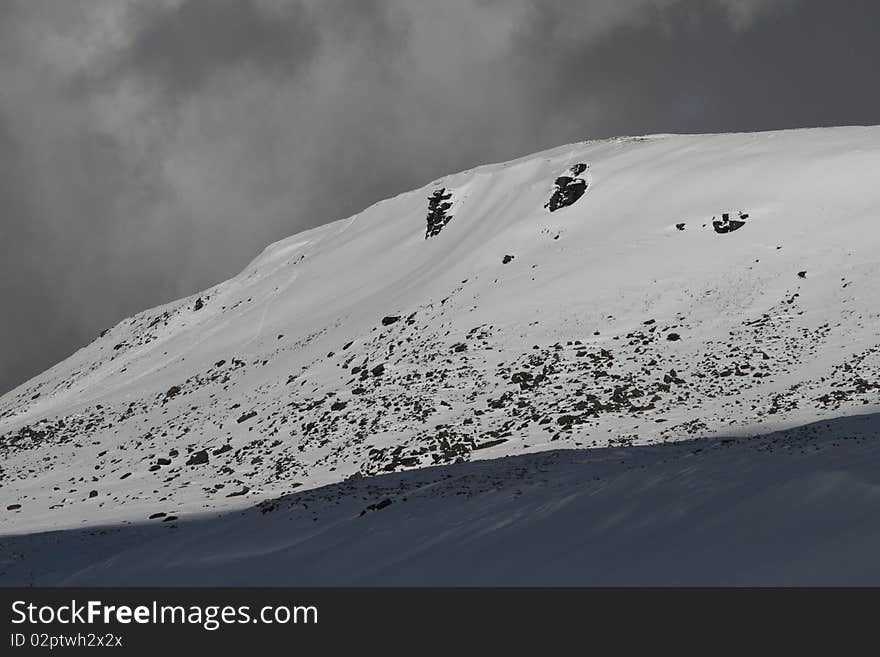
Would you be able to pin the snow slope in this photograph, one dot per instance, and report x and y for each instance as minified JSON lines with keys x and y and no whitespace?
{"x":286,"y":377}
{"x":797,"y":507}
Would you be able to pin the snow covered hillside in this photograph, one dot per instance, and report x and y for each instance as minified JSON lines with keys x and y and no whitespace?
{"x":603,"y":294}
{"x":797,"y":507}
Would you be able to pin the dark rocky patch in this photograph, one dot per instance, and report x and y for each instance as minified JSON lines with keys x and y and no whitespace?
{"x":438,"y":206}
{"x":198,"y":458}
{"x":244,"y":417}
{"x":568,"y":189}
{"x":728,"y":225}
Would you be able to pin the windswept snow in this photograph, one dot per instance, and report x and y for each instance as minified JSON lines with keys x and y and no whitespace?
{"x":793,"y":508}
{"x":622,"y":319}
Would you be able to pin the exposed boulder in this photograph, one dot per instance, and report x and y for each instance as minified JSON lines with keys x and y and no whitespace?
{"x":568,"y":189}
{"x":728,"y":225}
{"x":198,"y":458}
{"x":244,"y":417}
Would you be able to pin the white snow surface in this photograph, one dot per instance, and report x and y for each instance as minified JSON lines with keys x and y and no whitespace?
{"x":566,"y":347}
{"x":797,"y":507}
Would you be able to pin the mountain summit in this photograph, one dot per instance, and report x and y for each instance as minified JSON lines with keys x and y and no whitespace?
{"x":604,"y":294}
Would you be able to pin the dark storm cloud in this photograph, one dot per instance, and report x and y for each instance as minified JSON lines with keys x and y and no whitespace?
{"x":149,"y":150}
{"x":183,"y":47}
{"x":802,"y":64}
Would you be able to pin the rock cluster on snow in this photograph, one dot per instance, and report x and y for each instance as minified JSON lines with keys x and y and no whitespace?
{"x":568,"y":189}
{"x":728,"y":225}
{"x":438,"y":206}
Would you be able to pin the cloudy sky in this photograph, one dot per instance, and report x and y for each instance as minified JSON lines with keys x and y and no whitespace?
{"x":150,"y":149}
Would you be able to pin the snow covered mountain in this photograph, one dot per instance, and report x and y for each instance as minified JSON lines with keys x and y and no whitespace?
{"x":598,"y":295}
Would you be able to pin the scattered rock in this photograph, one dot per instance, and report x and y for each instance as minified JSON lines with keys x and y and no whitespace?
{"x":199,"y":304}
{"x":490,"y":443}
{"x":506,"y":259}
{"x":389,"y":320}
{"x":198,"y":458}
{"x":246,"y":416}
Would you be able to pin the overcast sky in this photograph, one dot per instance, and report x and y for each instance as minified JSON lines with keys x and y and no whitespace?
{"x":150,"y":149}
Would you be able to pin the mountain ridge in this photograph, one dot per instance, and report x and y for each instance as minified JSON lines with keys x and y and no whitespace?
{"x":624,"y":318}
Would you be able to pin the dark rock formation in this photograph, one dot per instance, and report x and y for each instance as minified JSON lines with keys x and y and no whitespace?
{"x":198,"y":458}
{"x":728,"y":225}
{"x":568,"y":189}
{"x":246,"y":416}
{"x":438,"y":206}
